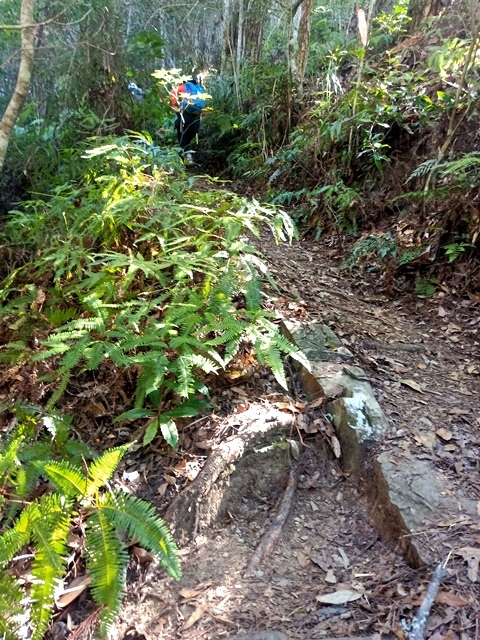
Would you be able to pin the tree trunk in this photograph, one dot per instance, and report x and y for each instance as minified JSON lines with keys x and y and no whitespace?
{"x":304,"y":31}
{"x":226,"y":36}
{"x":23,"y":79}
{"x":240,"y":33}
{"x":421,"y":10}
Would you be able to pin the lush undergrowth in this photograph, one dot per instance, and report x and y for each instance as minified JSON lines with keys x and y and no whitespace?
{"x":139,"y":266}
{"x":384,"y":154}
{"x":120,"y":270}
{"x":132,"y":267}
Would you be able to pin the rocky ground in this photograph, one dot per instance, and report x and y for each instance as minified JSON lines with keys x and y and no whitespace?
{"x":330,"y":573}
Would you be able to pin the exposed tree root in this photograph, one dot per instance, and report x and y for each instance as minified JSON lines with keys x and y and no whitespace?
{"x":198,"y":504}
{"x":272,"y":535}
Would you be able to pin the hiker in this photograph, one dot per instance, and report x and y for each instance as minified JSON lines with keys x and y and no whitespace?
{"x":135,"y":91}
{"x":188,"y":100}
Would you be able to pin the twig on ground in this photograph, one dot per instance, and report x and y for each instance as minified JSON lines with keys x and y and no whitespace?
{"x":272,"y":535}
{"x":417,"y":628}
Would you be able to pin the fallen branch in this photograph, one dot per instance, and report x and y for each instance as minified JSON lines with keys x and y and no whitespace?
{"x":272,"y":535}
{"x":417,"y":628}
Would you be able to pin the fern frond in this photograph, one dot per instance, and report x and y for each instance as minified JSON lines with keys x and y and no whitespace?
{"x":206,"y":364}
{"x":13,"y":540}
{"x":185,"y":344}
{"x":141,"y":522}
{"x":185,"y":379}
{"x":106,"y":560}
{"x":227,"y":335}
{"x":23,"y":479}
{"x":55,"y":350}
{"x":9,"y":457}
{"x":288,"y":348}
{"x":136,"y":342}
{"x":88,"y":324}
{"x":11,"y":607}
{"x":253,"y":293}
{"x":464,"y":163}
{"x":74,"y":355}
{"x":268,"y":353}
{"x":94,"y":354}
{"x":49,"y":523}
{"x":268,"y":343}
{"x":66,"y":477}
{"x":422,"y":169}
{"x":101,"y":470}
{"x":65,"y":375}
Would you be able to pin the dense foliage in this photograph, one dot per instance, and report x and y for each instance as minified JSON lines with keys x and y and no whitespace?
{"x":364,"y":126}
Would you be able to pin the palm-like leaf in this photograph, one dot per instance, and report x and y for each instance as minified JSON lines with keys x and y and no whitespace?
{"x":11,"y":595}
{"x":49,"y":524}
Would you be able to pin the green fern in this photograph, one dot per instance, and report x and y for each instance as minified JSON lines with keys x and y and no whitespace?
{"x":106,"y":559}
{"x":175,"y":308}
{"x":45,"y":523}
{"x":102,"y":469}
{"x":11,"y":607}
{"x":140,"y":521}
{"x":49,"y":527}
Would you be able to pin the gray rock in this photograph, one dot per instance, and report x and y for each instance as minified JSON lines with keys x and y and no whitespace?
{"x":320,"y":345}
{"x":318,"y":342}
{"x":357,"y":417}
{"x":408,"y":497}
{"x":408,"y":500}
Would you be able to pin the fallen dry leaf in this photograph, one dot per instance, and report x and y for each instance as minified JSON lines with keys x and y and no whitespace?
{"x":444,"y":434}
{"x":450,"y":599}
{"x":74,"y":589}
{"x":195,"y":616}
{"x":316,"y":403}
{"x":412,"y":384}
{"x":426,"y":439}
{"x":339,"y":597}
{"x":286,"y":406}
{"x":472,"y":557}
{"x":142,"y":555}
{"x":302,"y":559}
{"x":330,"y":577}
{"x":188,"y":594}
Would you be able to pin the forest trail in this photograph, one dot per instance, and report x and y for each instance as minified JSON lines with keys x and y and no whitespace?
{"x":422,"y":359}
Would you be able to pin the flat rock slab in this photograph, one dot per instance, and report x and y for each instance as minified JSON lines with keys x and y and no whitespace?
{"x":318,"y":341}
{"x":410,"y":500}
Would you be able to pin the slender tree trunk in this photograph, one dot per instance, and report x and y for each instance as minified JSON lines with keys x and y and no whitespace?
{"x":304,"y":31}
{"x":23,"y":79}
{"x":226,"y":36}
{"x":240,"y":33}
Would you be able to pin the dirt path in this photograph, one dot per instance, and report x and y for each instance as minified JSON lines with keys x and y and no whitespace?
{"x":422,"y":357}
